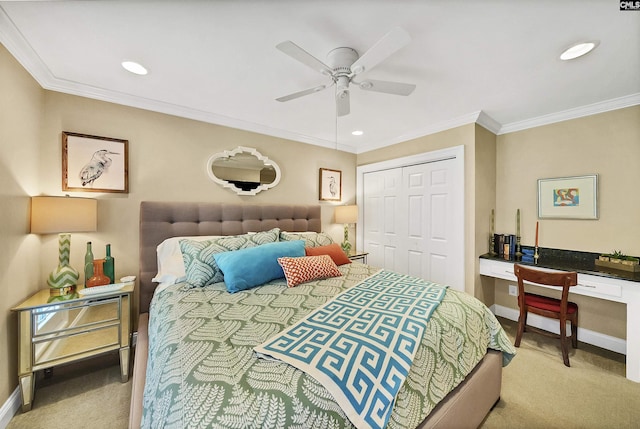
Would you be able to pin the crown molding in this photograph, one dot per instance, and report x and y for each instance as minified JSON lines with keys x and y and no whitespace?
{"x":575,"y":113}
{"x":18,"y":46}
{"x":428,"y":130}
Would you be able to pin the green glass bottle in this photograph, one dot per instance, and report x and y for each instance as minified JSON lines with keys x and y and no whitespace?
{"x":88,"y":263}
{"x":109,"y":265}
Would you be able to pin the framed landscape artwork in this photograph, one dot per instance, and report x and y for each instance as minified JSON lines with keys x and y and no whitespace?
{"x":94,"y":164}
{"x":568,"y":197}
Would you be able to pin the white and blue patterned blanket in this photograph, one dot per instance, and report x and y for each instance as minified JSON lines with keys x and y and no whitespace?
{"x":360,"y":345}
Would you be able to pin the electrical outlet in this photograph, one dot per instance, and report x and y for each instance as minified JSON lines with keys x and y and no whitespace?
{"x":513,"y":290}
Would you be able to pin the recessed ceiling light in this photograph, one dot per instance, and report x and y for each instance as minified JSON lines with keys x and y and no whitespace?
{"x":134,"y":67}
{"x":578,"y":50}
{"x":357,"y":133}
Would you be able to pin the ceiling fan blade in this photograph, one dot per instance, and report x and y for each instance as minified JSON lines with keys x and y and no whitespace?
{"x":302,"y":93}
{"x":396,"y":88}
{"x":297,"y":53}
{"x":343,"y":105}
{"x":390,"y":43}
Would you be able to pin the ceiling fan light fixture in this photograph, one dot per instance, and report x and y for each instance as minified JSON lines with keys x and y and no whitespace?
{"x":578,"y":50}
{"x":135,"y":68}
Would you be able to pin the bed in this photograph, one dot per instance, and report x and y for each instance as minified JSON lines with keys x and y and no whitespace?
{"x":461,"y":392}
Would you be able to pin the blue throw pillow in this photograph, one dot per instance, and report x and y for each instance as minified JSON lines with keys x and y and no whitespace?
{"x":247,"y":268}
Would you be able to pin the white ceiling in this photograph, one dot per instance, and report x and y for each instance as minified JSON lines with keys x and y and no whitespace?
{"x":493,"y":62}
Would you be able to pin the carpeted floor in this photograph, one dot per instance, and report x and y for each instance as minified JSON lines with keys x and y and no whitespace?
{"x":538,"y":391}
{"x":88,"y":394}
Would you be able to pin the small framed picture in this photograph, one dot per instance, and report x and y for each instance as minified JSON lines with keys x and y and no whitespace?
{"x":94,"y":164}
{"x":568,"y":197}
{"x":330,"y":185}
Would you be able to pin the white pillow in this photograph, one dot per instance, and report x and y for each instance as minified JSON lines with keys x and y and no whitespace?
{"x":170,"y":263}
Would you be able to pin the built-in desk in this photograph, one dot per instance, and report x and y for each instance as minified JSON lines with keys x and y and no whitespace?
{"x":609,"y":285}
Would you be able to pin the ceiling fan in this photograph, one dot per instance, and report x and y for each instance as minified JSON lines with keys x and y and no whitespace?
{"x":344,"y":64}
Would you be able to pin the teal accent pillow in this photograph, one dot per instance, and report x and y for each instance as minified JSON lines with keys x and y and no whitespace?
{"x":311,"y":239}
{"x":247,"y":268}
{"x":200,"y":265}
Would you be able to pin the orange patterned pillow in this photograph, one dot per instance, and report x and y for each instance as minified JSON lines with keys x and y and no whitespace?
{"x":307,"y":268}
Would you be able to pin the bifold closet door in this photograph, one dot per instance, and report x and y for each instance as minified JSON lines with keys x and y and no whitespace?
{"x":384,"y":229}
{"x":429,"y":212}
{"x":408,"y":221}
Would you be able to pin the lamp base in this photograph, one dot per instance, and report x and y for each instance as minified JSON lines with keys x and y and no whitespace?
{"x":63,"y":275}
{"x":62,"y":291}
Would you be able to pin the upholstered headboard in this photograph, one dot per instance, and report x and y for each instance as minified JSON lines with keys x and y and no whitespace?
{"x":161,"y":220}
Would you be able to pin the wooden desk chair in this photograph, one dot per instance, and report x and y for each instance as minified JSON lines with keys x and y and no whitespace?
{"x":560,"y":309}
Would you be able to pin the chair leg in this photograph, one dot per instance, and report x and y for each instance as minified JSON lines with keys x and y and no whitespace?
{"x":563,"y":341}
{"x":522,"y":321}
{"x":574,"y":331}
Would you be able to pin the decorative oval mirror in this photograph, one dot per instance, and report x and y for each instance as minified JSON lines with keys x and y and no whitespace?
{"x":243,"y":170}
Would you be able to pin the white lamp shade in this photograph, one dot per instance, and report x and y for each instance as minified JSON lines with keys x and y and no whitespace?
{"x":347,"y":214}
{"x":52,"y":215}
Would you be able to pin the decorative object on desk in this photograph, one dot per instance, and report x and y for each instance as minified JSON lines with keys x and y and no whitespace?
{"x":94,"y":164}
{"x":568,"y":197}
{"x":88,"y":263}
{"x":536,"y":255}
{"x":346,"y":215}
{"x":518,"y":253}
{"x":98,"y":278}
{"x":492,"y":238}
{"x":63,"y":215}
{"x":618,"y":261}
{"x":505,"y":245}
{"x":527,"y":255}
{"x":330,"y":185}
{"x":109,"y":265}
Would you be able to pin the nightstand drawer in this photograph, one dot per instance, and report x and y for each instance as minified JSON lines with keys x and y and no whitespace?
{"x":75,"y":343}
{"x":74,"y":317}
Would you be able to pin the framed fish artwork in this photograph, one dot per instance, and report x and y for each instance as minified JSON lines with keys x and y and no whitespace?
{"x":94,"y":164}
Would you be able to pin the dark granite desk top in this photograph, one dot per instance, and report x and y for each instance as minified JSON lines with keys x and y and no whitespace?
{"x":570,"y":260}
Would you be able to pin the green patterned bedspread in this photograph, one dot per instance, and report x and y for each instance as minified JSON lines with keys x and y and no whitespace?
{"x":202,"y":371}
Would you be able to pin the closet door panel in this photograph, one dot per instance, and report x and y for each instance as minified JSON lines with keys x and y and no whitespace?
{"x":383,"y":227}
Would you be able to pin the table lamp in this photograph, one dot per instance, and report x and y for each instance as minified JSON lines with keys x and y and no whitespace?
{"x":63,"y":215}
{"x":346,"y":215}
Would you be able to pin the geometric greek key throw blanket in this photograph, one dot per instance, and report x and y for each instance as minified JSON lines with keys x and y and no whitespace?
{"x":360,"y":345}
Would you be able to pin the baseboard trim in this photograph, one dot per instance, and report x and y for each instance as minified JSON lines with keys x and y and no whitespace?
{"x":10,"y":408}
{"x":597,"y":339}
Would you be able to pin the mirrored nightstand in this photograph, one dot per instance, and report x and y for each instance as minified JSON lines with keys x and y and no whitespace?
{"x":60,"y":330}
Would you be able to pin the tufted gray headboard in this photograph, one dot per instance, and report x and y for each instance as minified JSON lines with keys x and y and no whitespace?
{"x":161,"y":220}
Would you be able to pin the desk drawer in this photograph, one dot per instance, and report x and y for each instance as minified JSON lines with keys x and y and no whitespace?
{"x":590,"y":286}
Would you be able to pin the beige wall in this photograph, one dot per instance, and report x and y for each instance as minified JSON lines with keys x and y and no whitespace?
{"x":21,"y":112}
{"x":167,"y":161}
{"x":607,"y":144}
{"x":485,"y":200}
